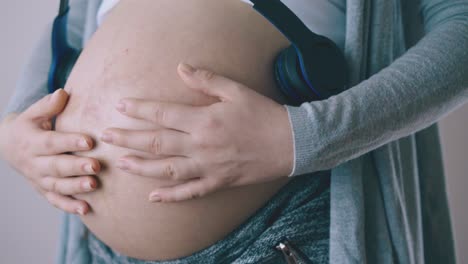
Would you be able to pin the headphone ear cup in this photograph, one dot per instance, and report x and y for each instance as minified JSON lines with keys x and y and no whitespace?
{"x":290,"y":76}
{"x":283,"y":81}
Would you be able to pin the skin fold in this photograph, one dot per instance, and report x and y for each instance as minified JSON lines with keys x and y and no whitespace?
{"x":135,"y":54}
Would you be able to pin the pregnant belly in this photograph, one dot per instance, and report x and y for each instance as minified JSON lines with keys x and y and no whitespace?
{"x":135,"y":54}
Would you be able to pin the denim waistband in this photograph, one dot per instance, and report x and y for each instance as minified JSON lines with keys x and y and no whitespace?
{"x":299,"y":211}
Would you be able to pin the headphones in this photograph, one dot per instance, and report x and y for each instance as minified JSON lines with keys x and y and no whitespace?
{"x":312,"y":68}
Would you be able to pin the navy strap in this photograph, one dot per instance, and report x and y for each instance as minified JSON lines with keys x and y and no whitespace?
{"x":285,"y":20}
{"x":63,"y":7}
{"x":59,"y":44}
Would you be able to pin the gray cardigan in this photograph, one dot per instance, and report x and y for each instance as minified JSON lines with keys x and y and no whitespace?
{"x":408,"y":63}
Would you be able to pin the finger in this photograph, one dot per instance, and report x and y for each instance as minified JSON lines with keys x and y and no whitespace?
{"x":170,"y":115}
{"x":47,"y":107}
{"x":67,"y":204}
{"x":174,"y":169}
{"x":209,"y":82}
{"x":186,"y":191}
{"x":66,"y":166}
{"x":158,"y":142}
{"x":52,"y":143}
{"x":68,"y":186}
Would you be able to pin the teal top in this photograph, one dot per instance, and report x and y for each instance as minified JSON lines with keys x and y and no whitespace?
{"x":408,"y":65}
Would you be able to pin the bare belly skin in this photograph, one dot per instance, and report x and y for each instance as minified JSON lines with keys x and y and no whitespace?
{"x":135,"y":53}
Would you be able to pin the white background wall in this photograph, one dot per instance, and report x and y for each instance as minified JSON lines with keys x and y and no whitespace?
{"x":29,"y":227}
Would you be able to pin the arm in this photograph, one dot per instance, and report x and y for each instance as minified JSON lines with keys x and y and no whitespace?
{"x":429,"y":81}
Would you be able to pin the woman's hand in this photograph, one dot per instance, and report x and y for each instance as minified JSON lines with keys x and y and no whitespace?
{"x":28,"y":143}
{"x":243,"y":139}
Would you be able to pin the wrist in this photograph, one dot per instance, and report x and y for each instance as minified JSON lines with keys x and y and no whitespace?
{"x":8,"y":118}
{"x":286,"y":140}
{"x":3,"y":126}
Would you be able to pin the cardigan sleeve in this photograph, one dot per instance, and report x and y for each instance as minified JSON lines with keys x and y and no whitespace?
{"x":423,"y":85}
{"x":32,"y":84}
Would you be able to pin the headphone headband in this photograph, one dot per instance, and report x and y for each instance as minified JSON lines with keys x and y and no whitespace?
{"x":62,"y":54}
{"x":285,"y":21}
{"x":63,"y":7}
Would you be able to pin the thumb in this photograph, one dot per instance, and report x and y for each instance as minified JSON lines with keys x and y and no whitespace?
{"x":209,"y":82}
{"x":48,"y":107}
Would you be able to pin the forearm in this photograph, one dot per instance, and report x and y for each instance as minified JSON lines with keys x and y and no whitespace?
{"x":415,"y":91}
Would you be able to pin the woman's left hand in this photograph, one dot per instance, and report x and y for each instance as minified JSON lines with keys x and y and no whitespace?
{"x":243,"y":139}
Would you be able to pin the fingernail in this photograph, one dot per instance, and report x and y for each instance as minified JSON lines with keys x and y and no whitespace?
{"x":106,"y":137}
{"x":187,"y":69}
{"x":89,"y":168}
{"x":155,"y":197}
{"x":80,"y":211}
{"x":87,"y":186}
{"x":121,"y":107}
{"x":46,"y":125}
{"x":52,"y":96}
{"x":122,"y":164}
{"x":83,"y":143}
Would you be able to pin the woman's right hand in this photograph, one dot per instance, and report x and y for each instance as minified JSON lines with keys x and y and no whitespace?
{"x":28,"y":144}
